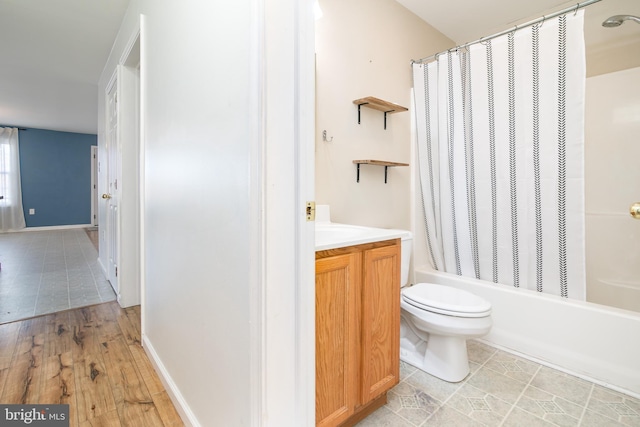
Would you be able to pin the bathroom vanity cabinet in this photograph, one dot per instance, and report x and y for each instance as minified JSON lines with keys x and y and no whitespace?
{"x":357,"y":330}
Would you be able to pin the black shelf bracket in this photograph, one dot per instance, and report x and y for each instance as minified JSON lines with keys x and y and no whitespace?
{"x":384,"y":107}
{"x":359,"y":105}
{"x":385,"y":114}
{"x":386,"y":168}
{"x":385,"y":120}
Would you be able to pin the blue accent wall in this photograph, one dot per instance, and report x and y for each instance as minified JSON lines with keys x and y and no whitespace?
{"x":55,"y":170}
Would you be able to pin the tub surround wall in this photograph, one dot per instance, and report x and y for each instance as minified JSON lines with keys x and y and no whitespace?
{"x":612,"y":151}
{"x":364,"y":48}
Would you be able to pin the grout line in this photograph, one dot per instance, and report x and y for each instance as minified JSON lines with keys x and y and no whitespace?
{"x":404,"y":380}
{"x":84,"y":255}
{"x":520,"y":396}
{"x":35,"y":304}
{"x":461,"y":384}
{"x":586,"y":404}
{"x":564,"y":412}
{"x":530,"y":386}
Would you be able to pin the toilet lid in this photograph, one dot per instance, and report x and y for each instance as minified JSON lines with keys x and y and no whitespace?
{"x":446,"y":300}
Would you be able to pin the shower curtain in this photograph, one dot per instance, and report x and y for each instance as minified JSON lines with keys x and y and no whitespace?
{"x":500,"y":134}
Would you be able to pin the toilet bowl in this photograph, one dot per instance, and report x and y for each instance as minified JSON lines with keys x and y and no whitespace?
{"x":435,"y":323}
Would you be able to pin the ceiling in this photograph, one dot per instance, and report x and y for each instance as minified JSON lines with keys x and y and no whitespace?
{"x":52,"y":55}
{"x":607,"y":49}
{"x":53,"y":51}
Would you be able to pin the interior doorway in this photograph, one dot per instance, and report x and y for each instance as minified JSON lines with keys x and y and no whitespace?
{"x":112,"y":193}
{"x":120,"y":171}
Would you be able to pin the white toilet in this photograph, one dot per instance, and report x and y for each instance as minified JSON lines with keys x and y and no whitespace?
{"x":436,"y":322}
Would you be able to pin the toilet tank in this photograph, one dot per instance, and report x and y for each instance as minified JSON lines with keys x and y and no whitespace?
{"x":406,"y":247}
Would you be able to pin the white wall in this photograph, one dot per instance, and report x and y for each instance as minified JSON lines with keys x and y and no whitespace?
{"x":612,"y":184}
{"x":364,"y":48}
{"x":220,"y":120}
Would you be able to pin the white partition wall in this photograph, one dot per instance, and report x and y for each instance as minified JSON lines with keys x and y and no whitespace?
{"x":226,"y":113}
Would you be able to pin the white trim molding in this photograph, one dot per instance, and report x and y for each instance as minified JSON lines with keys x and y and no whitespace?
{"x":188,"y":417}
{"x":51,"y":227}
{"x":286,"y":372}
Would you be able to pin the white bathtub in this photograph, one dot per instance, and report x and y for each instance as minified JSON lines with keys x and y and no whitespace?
{"x":588,"y":340}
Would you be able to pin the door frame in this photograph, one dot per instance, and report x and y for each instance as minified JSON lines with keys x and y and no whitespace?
{"x":129,"y":131}
{"x":283,"y":328}
{"x":94,"y":185}
{"x":126,"y":81}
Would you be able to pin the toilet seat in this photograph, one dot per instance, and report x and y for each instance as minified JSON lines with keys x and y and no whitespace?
{"x":446,"y":300}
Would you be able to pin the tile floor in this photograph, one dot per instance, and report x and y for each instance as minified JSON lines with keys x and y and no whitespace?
{"x":47,"y":271}
{"x":502,"y":390}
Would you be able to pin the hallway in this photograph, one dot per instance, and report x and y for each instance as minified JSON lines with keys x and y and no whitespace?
{"x":49,"y":271}
{"x":89,"y":358}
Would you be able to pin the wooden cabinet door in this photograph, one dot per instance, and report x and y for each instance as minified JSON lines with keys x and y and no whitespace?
{"x":380,"y":321}
{"x":338,"y":283}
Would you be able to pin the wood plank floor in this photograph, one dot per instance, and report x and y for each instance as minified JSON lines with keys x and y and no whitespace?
{"x":90,"y":358}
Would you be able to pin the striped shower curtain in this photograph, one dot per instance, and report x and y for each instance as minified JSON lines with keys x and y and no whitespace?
{"x":500,"y":134}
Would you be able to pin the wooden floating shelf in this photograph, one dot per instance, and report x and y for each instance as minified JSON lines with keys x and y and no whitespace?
{"x":378,"y":104}
{"x":384,"y":163}
{"x":379,"y":163}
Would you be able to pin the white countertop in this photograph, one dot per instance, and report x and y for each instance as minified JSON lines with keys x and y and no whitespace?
{"x":331,"y":235}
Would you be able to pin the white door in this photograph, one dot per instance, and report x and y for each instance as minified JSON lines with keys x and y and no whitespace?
{"x":112,"y":178}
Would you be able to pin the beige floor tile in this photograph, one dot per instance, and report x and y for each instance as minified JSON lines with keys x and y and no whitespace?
{"x":448,"y":417}
{"x":406,"y":370}
{"x":520,"y":418}
{"x":473,"y":367}
{"x":435,"y":387}
{"x":550,"y":408}
{"x":497,"y":384}
{"x":562,"y":385}
{"x":615,"y":406}
{"x":383,"y":417}
{"x":512,"y":366}
{"x":479,"y":405}
{"x":411,"y":403}
{"x":594,"y":419}
{"x":479,"y":352}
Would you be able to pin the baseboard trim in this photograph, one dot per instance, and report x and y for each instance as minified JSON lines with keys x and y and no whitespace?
{"x":104,"y":270}
{"x":176,"y":397}
{"x":50,"y":227}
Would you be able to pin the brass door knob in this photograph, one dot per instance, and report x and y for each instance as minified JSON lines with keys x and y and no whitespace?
{"x":106,"y":196}
{"x":634,"y":210}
